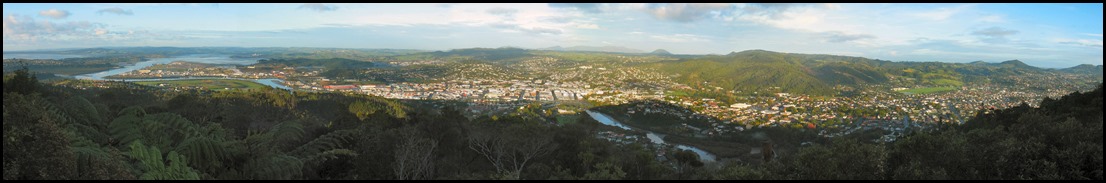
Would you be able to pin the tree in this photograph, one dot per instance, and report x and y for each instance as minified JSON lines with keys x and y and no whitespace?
{"x":35,"y":147}
{"x":687,"y":160}
{"x":414,"y":158}
{"x":605,"y":171}
{"x":154,"y":167}
{"x":511,"y":149}
{"x":22,"y":82}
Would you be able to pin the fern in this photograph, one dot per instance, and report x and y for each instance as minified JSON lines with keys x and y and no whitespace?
{"x":330,"y":141}
{"x":178,"y":127}
{"x":328,"y":155}
{"x":88,"y":157}
{"x":82,"y":111}
{"x":203,"y":152}
{"x":125,"y":128}
{"x":286,"y":132}
{"x":154,"y":165}
{"x":88,"y":132}
{"x":275,"y":167}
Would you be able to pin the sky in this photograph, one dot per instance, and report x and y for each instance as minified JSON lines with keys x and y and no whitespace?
{"x":1042,"y":35}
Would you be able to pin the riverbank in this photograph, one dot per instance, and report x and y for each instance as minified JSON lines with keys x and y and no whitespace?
{"x":605,"y":119}
{"x":721,"y":149}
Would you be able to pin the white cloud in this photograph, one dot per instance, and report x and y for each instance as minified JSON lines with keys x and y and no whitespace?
{"x":24,"y":28}
{"x":116,"y":10}
{"x":538,"y":19}
{"x":945,"y":13}
{"x":993,"y":19}
{"x":587,"y":26}
{"x":679,"y":38}
{"x":502,"y":11}
{"x":54,"y":13}
{"x":995,"y":34}
{"x":1082,"y":42}
{"x":319,"y":7}
{"x":686,"y":12}
{"x":838,"y":37}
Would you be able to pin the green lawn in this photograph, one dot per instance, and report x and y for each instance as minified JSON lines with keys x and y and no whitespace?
{"x":677,"y":93}
{"x":927,"y":90}
{"x":567,"y":119}
{"x":213,"y":84}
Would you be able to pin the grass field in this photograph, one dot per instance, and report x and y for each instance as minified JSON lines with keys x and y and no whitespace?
{"x":677,"y":93}
{"x":927,"y":90}
{"x":213,"y":84}
{"x":567,"y":119}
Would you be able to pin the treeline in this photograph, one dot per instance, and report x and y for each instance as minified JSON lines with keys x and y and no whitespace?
{"x":75,"y":130}
{"x":57,"y":131}
{"x":75,"y":66}
{"x":1061,"y":140}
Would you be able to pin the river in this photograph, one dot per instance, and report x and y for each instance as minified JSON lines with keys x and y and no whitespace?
{"x":197,"y":58}
{"x":41,"y":56}
{"x":656,"y":138}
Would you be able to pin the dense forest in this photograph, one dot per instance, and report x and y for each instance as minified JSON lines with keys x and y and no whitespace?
{"x":77,"y":129}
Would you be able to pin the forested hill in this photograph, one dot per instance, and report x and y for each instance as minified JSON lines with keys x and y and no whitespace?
{"x":76,"y":129}
{"x":759,"y":70}
{"x":817,"y":74}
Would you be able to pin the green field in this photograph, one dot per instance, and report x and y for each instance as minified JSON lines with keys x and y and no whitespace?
{"x":677,"y":93}
{"x":213,"y":84}
{"x":927,"y":90}
{"x":567,"y":119}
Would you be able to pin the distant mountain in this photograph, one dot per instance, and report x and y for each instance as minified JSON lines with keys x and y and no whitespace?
{"x":1016,"y":64}
{"x":660,"y":52}
{"x":615,"y":49}
{"x":1084,"y":69}
{"x":762,"y":70}
{"x":1010,"y":64}
{"x":759,"y":70}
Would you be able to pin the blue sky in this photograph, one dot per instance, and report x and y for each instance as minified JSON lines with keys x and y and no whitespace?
{"x":1043,"y":35}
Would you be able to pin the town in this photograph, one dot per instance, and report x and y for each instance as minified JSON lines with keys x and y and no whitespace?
{"x":874,"y":107}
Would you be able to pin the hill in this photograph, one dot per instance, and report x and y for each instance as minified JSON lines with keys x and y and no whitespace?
{"x":613,"y":49}
{"x":660,"y":52}
{"x":760,"y":71}
{"x":1084,"y":69}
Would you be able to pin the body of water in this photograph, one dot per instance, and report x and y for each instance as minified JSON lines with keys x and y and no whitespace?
{"x":40,"y":56}
{"x":654,"y":137}
{"x":197,"y":58}
{"x":271,"y":82}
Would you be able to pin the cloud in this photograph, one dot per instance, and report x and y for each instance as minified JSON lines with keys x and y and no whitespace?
{"x":24,"y":28}
{"x":502,"y":11}
{"x":584,"y":7}
{"x":995,"y":34}
{"x":838,"y":37}
{"x":686,"y":12}
{"x":943,"y":13}
{"x":1095,"y":35}
{"x":587,"y":26}
{"x":54,"y":13}
{"x":319,"y":7}
{"x":992,"y":19}
{"x":1083,"y":42}
{"x":116,"y":10}
{"x":532,"y":30}
{"x":770,"y":10}
{"x":680,"y":38}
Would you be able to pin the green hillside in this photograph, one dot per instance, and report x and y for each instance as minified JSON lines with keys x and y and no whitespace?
{"x":758,"y":71}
